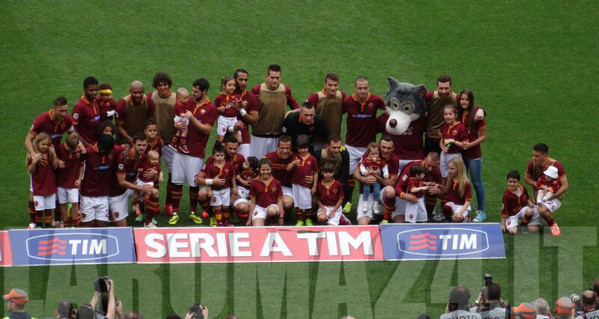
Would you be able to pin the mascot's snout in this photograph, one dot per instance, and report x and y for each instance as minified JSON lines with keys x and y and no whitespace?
{"x":405,"y":104}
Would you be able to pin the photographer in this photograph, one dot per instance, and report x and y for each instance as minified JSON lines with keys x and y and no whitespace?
{"x":457,"y":307}
{"x":197,"y":311}
{"x":589,"y":305}
{"x":104,"y":293}
{"x":489,"y":303}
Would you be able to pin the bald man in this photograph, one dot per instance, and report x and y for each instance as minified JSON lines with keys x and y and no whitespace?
{"x":132,"y":111}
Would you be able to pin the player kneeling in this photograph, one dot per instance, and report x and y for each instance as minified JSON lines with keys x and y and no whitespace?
{"x":517,"y":205}
{"x":457,"y":192}
{"x":266,"y":195}
{"x":329,"y":194}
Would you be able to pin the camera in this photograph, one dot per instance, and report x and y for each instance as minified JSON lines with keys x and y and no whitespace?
{"x":196,"y":311}
{"x":484,"y":293}
{"x":101,"y":284}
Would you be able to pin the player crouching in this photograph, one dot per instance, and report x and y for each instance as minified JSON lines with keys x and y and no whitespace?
{"x":517,"y":205}
{"x":329,"y":194}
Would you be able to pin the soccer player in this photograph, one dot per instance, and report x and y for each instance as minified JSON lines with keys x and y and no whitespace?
{"x":155,"y":143}
{"x":149,"y":174}
{"x":247,"y":115}
{"x":387,"y":198}
{"x":266,"y":198}
{"x":304,"y":165}
{"x":68,"y":178}
{"x":535,"y":168}
{"x":41,"y":166}
{"x":436,"y":187}
{"x":305,"y":122}
{"x":95,"y":187}
{"x":54,"y":122}
{"x":516,"y":205}
{"x":329,"y":195}
{"x":86,"y":113}
{"x":105,"y":102}
{"x":164,"y":101}
{"x":435,"y":102}
{"x":185,"y":166}
{"x":273,"y":97}
{"x":334,"y":154}
{"x":220,"y":195}
{"x":328,"y":103}
{"x":280,"y":159}
{"x":132,"y":111}
{"x":361,"y":108}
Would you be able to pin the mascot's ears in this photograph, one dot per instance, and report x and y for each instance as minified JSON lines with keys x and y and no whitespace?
{"x":394,"y":84}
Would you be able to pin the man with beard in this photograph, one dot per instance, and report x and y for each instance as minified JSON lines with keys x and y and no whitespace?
{"x":132,"y":111}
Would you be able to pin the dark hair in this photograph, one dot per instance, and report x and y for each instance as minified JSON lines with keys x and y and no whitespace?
{"x":173,"y":316}
{"x":387,"y":138}
{"x":230,"y":139}
{"x":264,"y":161}
{"x":513,"y":174}
{"x":595,"y":286}
{"x":149,"y":121}
{"x":284,"y":139}
{"x":202,"y":84}
{"x":162,"y":77}
{"x":444,"y":78}
{"x":589,"y":298}
{"x":453,"y":107}
{"x":302,"y":141}
{"x":90,"y":80}
{"x":253,"y":162}
{"x":416,"y":170}
{"x":105,"y":124}
{"x":104,"y":86}
{"x":331,"y":76}
{"x":218,"y":148}
{"x":328,"y":167}
{"x":224,"y":81}
{"x":60,"y":101}
{"x":106,"y":143}
{"x":273,"y":68}
{"x":458,"y":299}
{"x":65,"y":308}
{"x":139,"y":137}
{"x":541,"y":147}
{"x":360,"y":78}
{"x":494,"y":291}
{"x":471,"y":108}
{"x":308,"y":105}
{"x":236,"y":73}
{"x":333,"y":138}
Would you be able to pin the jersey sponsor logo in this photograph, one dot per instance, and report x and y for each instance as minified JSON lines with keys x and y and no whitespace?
{"x":121,"y":167}
{"x":96,"y":118}
{"x":103,"y":168}
{"x":442,"y":242}
{"x":362,"y":116}
{"x":70,"y":246}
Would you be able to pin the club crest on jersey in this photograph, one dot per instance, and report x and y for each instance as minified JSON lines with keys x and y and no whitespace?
{"x":75,"y":116}
{"x":454,"y":132}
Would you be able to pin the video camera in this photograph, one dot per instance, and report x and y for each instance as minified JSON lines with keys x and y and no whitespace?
{"x":484,"y":292}
{"x":101,"y":285}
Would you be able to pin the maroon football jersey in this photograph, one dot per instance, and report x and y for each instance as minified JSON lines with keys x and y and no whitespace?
{"x":512,"y":203}
{"x":329,"y":196}
{"x":67,"y":176}
{"x":266,"y":193}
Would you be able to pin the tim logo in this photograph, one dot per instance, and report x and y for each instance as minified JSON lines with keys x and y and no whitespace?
{"x":442,"y":241}
{"x":72,"y":247}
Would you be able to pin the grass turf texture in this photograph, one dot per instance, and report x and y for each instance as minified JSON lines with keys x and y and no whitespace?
{"x":531,"y":64}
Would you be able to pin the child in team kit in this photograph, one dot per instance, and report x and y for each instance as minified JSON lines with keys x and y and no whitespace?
{"x":41,"y":166}
{"x":457,"y":192}
{"x":454,"y":134}
{"x":372,"y":164}
{"x":266,"y":198}
{"x":68,"y":179}
{"x":105,"y":102}
{"x":179,"y":140}
{"x":155,"y":142}
{"x":416,"y":212}
{"x":304,"y":166}
{"x":225,"y":104}
{"x":220,"y":195}
{"x":249,"y":172}
{"x":150,"y":163}
{"x":516,"y":205}
{"x":329,"y":196}
{"x":547,"y":184}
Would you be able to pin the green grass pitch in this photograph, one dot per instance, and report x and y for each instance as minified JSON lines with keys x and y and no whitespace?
{"x":532,"y":64}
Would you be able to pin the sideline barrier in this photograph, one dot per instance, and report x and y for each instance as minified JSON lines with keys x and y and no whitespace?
{"x":258,"y":244}
{"x":5,"y":253}
{"x":72,"y":246}
{"x":442,"y":241}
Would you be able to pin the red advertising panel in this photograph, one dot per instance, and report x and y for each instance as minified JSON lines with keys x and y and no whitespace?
{"x":5,"y":255}
{"x":258,"y":244}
